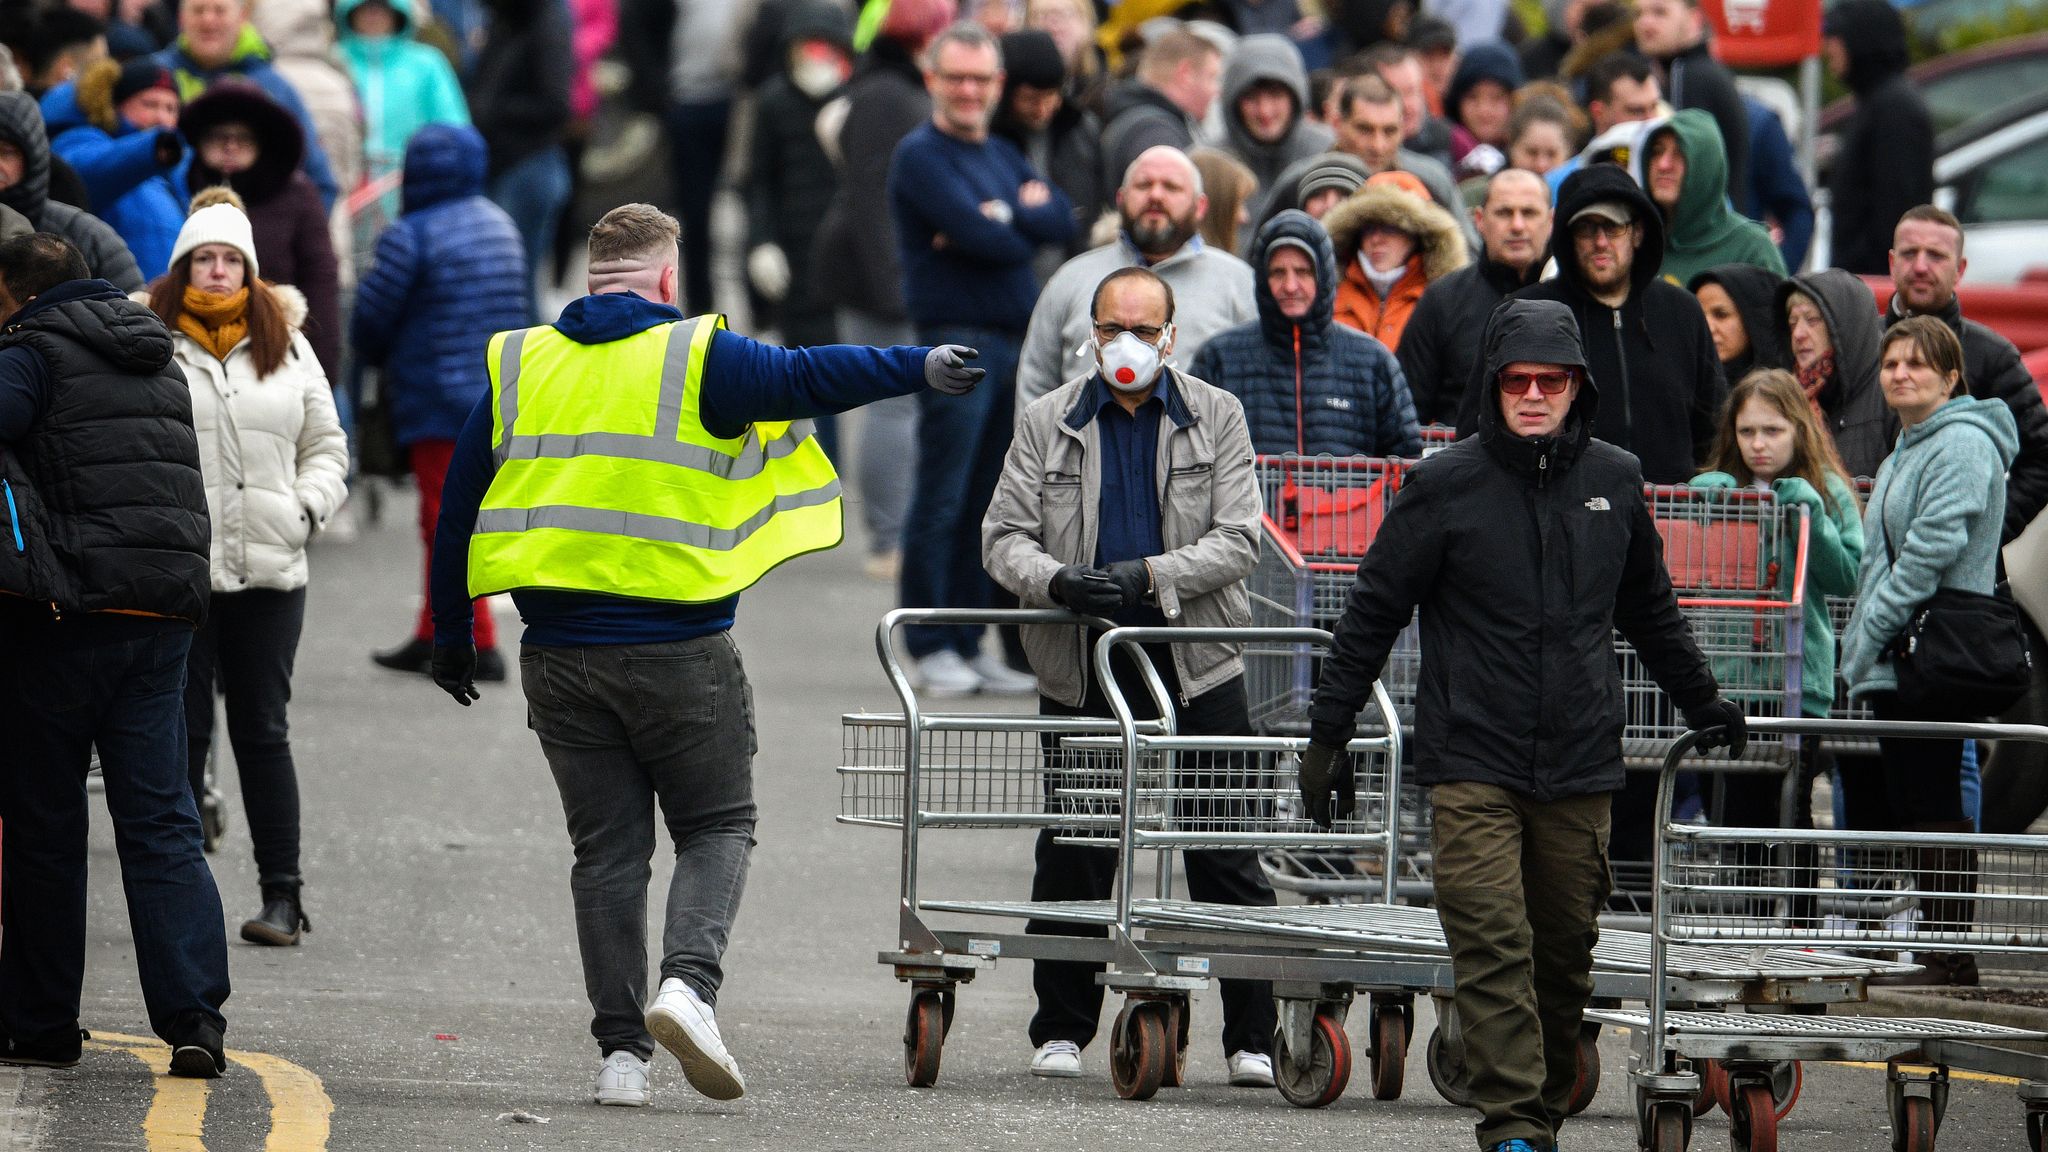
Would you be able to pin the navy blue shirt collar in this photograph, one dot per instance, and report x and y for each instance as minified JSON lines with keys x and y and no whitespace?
{"x":1097,"y":392}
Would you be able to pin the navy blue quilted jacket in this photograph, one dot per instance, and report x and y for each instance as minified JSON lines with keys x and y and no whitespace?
{"x":1345,"y":385}
{"x":448,"y":274}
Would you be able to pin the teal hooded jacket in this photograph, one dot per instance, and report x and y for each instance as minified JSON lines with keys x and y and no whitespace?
{"x":1704,"y":231}
{"x":404,"y":85}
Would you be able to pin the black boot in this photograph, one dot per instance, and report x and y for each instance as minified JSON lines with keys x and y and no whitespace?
{"x":412,"y":656}
{"x":282,"y":917}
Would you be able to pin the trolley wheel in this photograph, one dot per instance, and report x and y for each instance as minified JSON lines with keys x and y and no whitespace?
{"x":1915,"y":1132}
{"x":1713,"y":1086}
{"x":924,"y":1036}
{"x":1586,"y":1083}
{"x":1389,"y":1052}
{"x":2037,"y":1131}
{"x":1788,"y":1078}
{"x":1669,"y":1127}
{"x":1755,"y":1118}
{"x":1447,"y":1070}
{"x":1314,"y":1079}
{"x":213,"y":820}
{"x":1177,"y":1063}
{"x":1138,"y":1051}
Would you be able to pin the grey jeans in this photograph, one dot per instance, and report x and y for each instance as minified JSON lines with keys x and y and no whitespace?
{"x":887,"y":459}
{"x":623,"y":728}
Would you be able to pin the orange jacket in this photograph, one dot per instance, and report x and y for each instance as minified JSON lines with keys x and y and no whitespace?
{"x":1439,"y":251}
{"x":1358,"y":306}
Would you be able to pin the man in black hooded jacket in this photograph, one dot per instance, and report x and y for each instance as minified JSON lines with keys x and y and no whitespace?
{"x":1646,"y":339}
{"x":1525,"y":546}
{"x":1885,"y":162}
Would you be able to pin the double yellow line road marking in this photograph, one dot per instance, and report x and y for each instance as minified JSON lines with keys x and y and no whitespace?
{"x":299,"y":1106}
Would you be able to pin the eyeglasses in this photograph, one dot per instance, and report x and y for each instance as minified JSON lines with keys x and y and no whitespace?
{"x":1149,"y":333}
{"x":966,"y":79}
{"x":1549,"y":383}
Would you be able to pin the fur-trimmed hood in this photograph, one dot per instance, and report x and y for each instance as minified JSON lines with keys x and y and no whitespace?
{"x":1441,"y":243}
{"x":95,"y":97}
{"x":290,"y":299}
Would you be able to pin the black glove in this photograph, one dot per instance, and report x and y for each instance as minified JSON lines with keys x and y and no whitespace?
{"x":1719,"y":722}
{"x":1322,"y":770}
{"x":1085,"y":590}
{"x":1133,"y":579}
{"x":946,"y":370}
{"x":455,"y":671}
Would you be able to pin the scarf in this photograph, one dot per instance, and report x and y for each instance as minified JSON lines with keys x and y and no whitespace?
{"x":215,"y":323}
{"x":1813,"y":381}
{"x":1382,"y":282}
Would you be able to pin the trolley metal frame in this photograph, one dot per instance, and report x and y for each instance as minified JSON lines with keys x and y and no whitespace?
{"x":1674,"y":1048}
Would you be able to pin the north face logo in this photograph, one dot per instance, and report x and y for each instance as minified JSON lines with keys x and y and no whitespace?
{"x":1599,"y":504}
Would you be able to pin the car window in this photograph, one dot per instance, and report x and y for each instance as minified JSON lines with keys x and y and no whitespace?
{"x":2012,"y":187}
{"x":1961,"y":96}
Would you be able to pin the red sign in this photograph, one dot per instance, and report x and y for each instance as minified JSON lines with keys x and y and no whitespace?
{"x":1764,"y":33}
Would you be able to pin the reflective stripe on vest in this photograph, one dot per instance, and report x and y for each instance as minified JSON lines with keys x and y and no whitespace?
{"x":608,"y":482}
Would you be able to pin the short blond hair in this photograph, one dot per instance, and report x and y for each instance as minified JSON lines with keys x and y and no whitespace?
{"x":634,"y":232}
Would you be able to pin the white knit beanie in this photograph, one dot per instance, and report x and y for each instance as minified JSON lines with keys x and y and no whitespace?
{"x":217,"y":224}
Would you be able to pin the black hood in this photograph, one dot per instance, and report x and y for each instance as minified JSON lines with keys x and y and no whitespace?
{"x":1755,"y":293}
{"x":280,"y":145}
{"x":1590,"y":185}
{"x":1875,"y":36}
{"x":21,"y":124}
{"x":1850,"y":310}
{"x":1541,"y":332}
{"x":1301,"y":230}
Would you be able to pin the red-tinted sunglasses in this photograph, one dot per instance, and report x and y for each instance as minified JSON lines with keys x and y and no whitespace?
{"x":1551,"y":383}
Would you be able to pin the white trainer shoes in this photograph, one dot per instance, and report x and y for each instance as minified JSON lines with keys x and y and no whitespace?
{"x":622,"y":1081}
{"x":684,"y":1025}
{"x":1059,"y":1059}
{"x":998,"y":678}
{"x":1251,"y":1070}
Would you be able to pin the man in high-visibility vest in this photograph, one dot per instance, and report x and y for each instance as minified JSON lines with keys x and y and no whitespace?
{"x":629,"y":474}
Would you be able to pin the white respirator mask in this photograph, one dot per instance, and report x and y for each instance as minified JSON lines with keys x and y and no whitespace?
{"x":1130,"y":364}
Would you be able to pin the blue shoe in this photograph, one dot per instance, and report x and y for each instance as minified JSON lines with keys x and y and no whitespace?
{"x":1517,"y":1145}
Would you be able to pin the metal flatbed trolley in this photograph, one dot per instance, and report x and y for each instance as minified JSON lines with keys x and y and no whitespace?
{"x":1829,"y":889}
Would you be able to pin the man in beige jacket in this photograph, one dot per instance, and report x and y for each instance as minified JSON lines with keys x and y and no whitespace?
{"x":1129,"y":493}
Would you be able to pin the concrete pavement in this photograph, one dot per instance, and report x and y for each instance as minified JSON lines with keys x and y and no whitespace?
{"x":440,"y":991}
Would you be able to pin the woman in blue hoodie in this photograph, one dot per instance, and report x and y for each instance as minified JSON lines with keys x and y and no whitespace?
{"x":1932,"y":522}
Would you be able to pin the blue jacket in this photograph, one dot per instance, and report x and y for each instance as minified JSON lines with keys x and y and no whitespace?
{"x":251,"y":61}
{"x":744,"y":382}
{"x":1939,"y":503}
{"x":1775,"y":187}
{"x":448,"y":273}
{"x":1348,"y":388}
{"x":142,"y":201}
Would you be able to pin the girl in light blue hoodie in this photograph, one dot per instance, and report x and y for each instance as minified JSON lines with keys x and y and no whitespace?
{"x":1933,"y":522}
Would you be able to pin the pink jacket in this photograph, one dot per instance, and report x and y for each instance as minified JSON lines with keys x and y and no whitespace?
{"x":597,"y":27}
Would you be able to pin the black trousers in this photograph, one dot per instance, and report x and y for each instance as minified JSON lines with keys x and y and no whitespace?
{"x":1908,"y":784}
{"x":248,"y":644}
{"x":1069,"y":999}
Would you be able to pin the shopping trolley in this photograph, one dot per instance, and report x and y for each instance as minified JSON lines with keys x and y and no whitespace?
{"x":1828,"y":889}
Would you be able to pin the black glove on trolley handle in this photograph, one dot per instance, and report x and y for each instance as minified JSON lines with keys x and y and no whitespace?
{"x":454,"y":671}
{"x":1720,"y":723}
{"x":1323,"y":770}
{"x":946,"y":370}
{"x":1085,"y":590}
{"x":1133,"y":579}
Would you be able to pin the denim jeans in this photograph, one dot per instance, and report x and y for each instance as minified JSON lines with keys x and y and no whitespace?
{"x":961,"y":441}
{"x":532,"y":193}
{"x":625,"y":728}
{"x":121,"y":691}
{"x":247,"y":646}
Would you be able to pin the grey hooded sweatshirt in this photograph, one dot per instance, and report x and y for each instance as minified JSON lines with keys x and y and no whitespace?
{"x":1274,"y":58}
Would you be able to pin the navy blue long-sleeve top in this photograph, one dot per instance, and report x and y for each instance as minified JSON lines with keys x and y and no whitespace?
{"x":981,"y":275}
{"x":745,"y":382}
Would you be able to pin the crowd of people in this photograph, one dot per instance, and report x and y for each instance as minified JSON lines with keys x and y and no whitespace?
{"x":1171,"y":236}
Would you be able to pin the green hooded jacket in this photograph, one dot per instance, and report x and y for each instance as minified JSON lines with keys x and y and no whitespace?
{"x":1705,"y":232}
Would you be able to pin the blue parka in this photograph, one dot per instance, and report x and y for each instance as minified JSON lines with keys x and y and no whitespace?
{"x":138,"y":198}
{"x":1348,"y":389}
{"x":448,"y":274}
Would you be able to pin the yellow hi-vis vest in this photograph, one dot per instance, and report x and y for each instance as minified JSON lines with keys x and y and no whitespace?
{"x":608,"y":482}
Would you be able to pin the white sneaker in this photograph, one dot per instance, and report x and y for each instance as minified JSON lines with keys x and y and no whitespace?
{"x":622,"y":1081}
{"x":998,"y":677}
{"x":1059,"y":1059}
{"x":685,"y":1026}
{"x":944,"y":673}
{"x":1250,"y":1070}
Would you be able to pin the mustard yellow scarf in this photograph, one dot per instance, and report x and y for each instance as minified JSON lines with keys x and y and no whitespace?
{"x":217,"y":323}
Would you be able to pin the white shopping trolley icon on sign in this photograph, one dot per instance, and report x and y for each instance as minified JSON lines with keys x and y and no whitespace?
{"x":1746,"y":15}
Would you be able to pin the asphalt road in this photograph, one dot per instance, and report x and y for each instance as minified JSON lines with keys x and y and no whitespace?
{"x":440,"y":991}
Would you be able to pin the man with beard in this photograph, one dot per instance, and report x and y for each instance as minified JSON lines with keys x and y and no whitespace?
{"x":1161,"y":205}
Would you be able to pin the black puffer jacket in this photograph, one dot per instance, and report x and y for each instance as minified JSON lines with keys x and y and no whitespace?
{"x":1524,"y":555}
{"x":1885,"y":162}
{"x":1438,"y":355}
{"x":1654,"y":358}
{"x":106,"y":254}
{"x":1754,"y":292}
{"x":1864,"y":427}
{"x":1992,"y":369}
{"x":113,"y":458}
{"x":1311,"y":386}
{"x":1137,"y":116}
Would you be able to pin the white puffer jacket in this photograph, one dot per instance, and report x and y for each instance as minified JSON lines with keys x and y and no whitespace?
{"x":272,"y":451}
